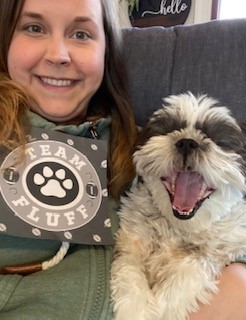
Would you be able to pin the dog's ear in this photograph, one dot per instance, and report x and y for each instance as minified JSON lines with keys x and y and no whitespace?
{"x":154,"y":127}
{"x":242,"y":125}
{"x":242,"y":150}
{"x":144,"y":134}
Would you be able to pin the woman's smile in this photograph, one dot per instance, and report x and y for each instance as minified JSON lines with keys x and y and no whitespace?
{"x":57,"y":82}
{"x":61,"y":85}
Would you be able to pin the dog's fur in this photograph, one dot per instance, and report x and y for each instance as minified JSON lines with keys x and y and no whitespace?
{"x":170,"y":248}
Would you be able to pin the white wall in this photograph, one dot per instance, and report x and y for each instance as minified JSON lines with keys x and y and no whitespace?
{"x":123,"y":13}
{"x":200,"y":12}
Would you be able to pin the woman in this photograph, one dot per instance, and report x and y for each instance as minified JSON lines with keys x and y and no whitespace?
{"x":64,"y":61}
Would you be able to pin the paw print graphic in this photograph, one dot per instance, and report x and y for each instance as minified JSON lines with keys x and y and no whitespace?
{"x":52,"y":184}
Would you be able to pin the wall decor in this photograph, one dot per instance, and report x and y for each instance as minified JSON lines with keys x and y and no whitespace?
{"x":165,"y":13}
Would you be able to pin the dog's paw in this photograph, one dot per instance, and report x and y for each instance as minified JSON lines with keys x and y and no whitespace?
{"x":137,"y":314}
{"x":136,"y":306}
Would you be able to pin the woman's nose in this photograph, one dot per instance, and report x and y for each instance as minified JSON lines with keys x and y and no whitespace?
{"x":57,"y":52}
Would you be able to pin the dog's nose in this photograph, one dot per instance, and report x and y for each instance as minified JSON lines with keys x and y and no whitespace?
{"x":186,"y":146}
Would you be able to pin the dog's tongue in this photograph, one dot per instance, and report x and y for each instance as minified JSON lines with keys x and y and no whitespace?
{"x":187,"y":191}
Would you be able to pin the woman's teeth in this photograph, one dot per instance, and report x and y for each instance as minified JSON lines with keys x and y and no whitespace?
{"x":57,"y":83}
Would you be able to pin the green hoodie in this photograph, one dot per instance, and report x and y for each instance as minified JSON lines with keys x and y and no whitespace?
{"x":78,"y":287}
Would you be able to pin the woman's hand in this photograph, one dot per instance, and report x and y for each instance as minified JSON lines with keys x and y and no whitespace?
{"x":230,"y":302}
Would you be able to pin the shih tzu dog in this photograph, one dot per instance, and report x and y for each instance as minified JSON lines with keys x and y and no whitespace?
{"x":184,"y":219}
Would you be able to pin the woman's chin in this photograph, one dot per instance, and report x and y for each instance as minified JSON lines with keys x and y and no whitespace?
{"x":60,"y":116}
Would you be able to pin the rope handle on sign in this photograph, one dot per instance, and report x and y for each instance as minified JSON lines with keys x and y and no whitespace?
{"x":26,"y":269}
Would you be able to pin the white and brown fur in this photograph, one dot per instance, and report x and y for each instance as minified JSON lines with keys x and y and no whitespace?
{"x":166,"y":263}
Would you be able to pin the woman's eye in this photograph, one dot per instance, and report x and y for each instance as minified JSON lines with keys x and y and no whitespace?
{"x":80,"y":35}
{"x":34,"y":29}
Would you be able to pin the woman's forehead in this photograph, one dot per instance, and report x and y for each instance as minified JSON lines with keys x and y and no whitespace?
{"x":66,"y":8}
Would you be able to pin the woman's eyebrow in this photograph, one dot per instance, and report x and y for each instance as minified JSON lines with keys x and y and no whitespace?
{"x":33,"y":15}
{"x":85,"y":19}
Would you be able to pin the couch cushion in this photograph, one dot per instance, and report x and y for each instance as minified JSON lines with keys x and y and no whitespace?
{"x":210,"y":58}
{"x":148,"y":54}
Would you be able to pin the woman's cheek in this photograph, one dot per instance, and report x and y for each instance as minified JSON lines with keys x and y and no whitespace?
{"x":22,"y":58}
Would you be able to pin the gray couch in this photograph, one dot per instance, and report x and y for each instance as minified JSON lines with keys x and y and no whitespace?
{"x":208,"y":58}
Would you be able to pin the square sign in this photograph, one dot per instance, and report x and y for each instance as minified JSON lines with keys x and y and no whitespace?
{"x":58,"y":192}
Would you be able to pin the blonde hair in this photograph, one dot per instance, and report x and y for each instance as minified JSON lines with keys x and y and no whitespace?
{"x":13,"y":105}
{"x":112,"y":98}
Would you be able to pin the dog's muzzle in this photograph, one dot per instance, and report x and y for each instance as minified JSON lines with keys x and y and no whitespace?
{"x":187,"y":188}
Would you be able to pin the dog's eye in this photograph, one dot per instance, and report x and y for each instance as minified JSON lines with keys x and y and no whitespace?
{"x":163,"y":126}
{"x":224,"y":145}
{"x":224,"y":135}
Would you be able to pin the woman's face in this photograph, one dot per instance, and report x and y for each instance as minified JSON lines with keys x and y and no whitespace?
{"x":57,"y":53}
